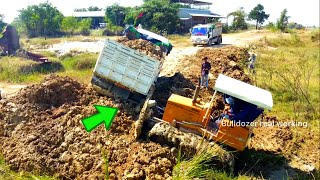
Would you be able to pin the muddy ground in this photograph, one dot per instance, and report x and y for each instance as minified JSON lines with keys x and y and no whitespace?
{"x":41,"y":129}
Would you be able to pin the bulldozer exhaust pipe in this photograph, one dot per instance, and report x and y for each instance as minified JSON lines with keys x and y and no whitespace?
{"x":196,"y":93}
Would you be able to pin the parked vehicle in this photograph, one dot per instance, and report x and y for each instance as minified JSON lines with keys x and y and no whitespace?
{"x":206,"y":34}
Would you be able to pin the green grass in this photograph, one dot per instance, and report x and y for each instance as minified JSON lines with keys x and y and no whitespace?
{"x":180,"y":40}
{"x":289,"y":68}
{"x":7,"y":174}
{"x":199,"y":166}
{"x":20,"y":70}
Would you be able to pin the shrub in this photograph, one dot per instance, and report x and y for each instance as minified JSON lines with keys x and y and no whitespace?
{"x":112,"y":30}
{"x":315,"y":35}
{"x":225,"y":28}
{"x":84,"y":63}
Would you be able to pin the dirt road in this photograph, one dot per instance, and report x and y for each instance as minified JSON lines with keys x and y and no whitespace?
{"x":176,"y":56}
{"x":7,"y":90}
{"x":245,"y":38}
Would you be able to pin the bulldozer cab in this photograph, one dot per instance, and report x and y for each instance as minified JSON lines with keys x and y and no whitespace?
{"x":232,"y":133}
{"x":244,"y":91}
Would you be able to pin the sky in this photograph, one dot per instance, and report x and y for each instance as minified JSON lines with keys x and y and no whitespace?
{"x":304,"y":12}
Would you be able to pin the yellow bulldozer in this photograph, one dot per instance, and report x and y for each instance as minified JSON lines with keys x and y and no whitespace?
{"x":192,"y":115}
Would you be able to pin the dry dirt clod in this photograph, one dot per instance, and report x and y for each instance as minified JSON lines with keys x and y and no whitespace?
{"x":144,"y":47}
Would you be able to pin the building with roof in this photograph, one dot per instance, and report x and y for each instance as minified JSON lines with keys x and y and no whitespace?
{"x":98,"y":17}
{"x":193,"y":2}
{"x":191,"y":17}
{"x":199,"y":13}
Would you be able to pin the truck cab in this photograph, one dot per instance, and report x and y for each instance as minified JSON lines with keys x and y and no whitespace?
{"x":206,"y":34}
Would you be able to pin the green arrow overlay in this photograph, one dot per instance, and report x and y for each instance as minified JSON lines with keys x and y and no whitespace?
{"x":105,"y":115}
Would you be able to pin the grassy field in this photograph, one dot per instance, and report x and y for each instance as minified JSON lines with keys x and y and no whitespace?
{"x":180,"y":41}
{"x":289,"y":67}
{"x":20,"y":70}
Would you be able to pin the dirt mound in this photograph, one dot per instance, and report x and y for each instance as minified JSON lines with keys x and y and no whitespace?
{"x":48,"y":137}
{"x":274,"y":137}
{"x":228,"y":60}
{"x":143,"y":46}
{"x":53,"y":91}
{"x":177,"y":84}
{"x":270,"y":138}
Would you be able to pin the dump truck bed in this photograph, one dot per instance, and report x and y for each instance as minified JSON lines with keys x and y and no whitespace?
{"x":125,"y":68}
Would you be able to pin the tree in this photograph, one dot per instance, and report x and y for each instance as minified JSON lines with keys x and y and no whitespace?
{"x":239,"y":21}
{"x":94,"y":8}
{"x":69,"y":24}
{"x":283,"y":21}
{"x":2,"y":24}
{"x":84,"y":26}
{"x":20,"y":26}
{"x":258,"y":14}
{"x":41,"y":20}
{"x":132,"y":14}
{"x":116,"y":14}
{"x":159,"y":16}
{"x":80,"y":10}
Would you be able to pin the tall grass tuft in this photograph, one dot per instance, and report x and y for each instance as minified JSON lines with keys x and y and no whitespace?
{"x":199,"y":166}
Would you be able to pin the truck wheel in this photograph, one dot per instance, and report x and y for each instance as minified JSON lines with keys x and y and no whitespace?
{"x":209,"y":43}
{"x":220,"y":40}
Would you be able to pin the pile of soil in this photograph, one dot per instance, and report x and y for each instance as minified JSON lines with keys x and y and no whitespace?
{"x":228,"y":60}
{"x":274,"y":139}
{"x":41,"y":131}
{"x":143,"y":46}
{"x":299,"y":149}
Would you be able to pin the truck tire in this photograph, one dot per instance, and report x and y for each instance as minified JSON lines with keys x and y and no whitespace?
{"x":219,"y":40}
{"x":209,"y":43}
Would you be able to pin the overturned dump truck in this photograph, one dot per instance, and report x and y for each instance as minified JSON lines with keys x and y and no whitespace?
{"x":125,"y":73}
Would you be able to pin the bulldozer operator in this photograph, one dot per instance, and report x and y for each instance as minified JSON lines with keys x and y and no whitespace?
{"x":238,"y":111}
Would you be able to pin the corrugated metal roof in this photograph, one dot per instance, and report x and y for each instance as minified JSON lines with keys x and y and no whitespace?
{"x":206,"y":15}
{"x":89,"y":14}
{"x":195,"y":2}
{"x":186,"y":13}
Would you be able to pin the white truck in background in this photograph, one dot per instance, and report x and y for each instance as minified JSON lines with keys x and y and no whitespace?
{"x":206,"y":34}
{"x":125,"y":73}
